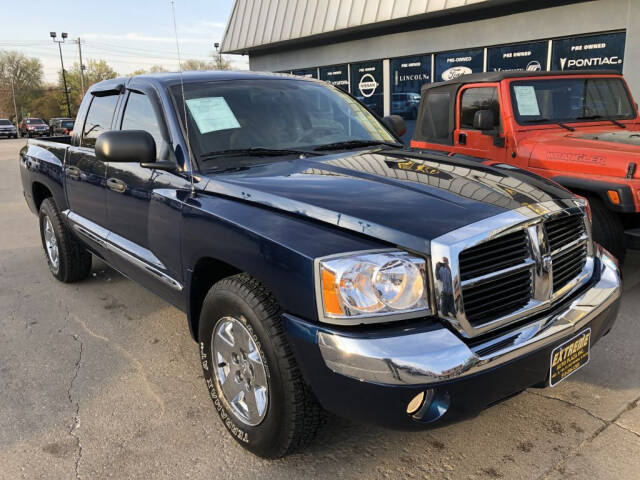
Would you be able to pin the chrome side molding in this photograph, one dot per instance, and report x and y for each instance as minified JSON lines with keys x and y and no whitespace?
{"x":120,"y":246}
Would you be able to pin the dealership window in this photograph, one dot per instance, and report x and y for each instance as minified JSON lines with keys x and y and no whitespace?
{"x":408,"y":75}
{"x":367,"y":85}
{"x":480,"y":98}
{"x":336,"y":75}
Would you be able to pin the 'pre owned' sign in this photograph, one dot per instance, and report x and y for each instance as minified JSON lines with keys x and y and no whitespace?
{"x":593,"y":52}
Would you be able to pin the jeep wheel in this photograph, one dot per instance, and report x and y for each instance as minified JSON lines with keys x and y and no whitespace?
{"x":68,"y":261}
{"x":250,"y":370}
{"x":608,"y":230}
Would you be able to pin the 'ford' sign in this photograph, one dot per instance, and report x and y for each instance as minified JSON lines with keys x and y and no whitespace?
{"x":455,"y":64}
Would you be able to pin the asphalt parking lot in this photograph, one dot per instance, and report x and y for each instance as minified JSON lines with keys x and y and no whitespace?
{"x":101,"y":380}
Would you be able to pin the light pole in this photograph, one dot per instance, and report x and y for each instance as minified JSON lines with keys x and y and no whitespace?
{"x":64,"y":76}
{"x":218,"y":60}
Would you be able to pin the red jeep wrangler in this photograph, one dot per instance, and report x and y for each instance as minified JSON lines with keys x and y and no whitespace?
{"x":580,"y":129}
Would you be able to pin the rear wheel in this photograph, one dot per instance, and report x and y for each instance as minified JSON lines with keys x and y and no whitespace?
{"x":67,"y":259}
{"x":608,"y":230}
{"x":250,"y":371}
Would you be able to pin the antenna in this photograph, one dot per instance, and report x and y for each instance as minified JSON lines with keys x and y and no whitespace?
{"x":184,"y":103}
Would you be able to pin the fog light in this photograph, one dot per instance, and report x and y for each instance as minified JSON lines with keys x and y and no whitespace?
{"x":415,"y":403}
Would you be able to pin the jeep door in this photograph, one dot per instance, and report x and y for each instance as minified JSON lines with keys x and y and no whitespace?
{"x":468,"y":140}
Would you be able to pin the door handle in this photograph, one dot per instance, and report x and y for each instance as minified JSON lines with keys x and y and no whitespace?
{"x":462,"y":139}
{"x":73,"y":172}
{"x":116,"y":185}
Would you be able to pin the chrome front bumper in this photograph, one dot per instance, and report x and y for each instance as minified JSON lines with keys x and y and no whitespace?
{"x":439,"y":355}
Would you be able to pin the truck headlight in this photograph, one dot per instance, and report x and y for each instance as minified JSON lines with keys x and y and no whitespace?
{"x":364,"y":287}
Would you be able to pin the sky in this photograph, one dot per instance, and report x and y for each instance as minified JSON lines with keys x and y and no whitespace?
{"x":128,"y":34}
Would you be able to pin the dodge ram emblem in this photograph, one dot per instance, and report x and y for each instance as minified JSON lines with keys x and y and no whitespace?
{"x":547,"y":263}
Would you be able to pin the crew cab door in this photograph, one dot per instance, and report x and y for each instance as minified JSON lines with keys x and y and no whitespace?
{"x":145,"y":227}
{"x":85,"y":175}
{"x":471,"y":141}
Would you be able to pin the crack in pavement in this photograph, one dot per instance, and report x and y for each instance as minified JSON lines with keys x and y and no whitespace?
{"x":606,"y":424}
{"x":76,"y":416}
{"x":147,"y":383}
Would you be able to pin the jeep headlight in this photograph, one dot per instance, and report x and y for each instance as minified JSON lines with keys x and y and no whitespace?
{"x":374,"y":285}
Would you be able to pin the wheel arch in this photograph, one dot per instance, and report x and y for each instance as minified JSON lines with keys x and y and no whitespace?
{"x":206,"y":272}
{"x":40,"y":192}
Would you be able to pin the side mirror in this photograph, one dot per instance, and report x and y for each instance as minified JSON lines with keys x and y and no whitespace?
{"x":126,"y":146}
{"x":483,"y":120}
{"x":396,"y":124}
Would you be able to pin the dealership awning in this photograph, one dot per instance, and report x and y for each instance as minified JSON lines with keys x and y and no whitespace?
{"x":262,"y":24}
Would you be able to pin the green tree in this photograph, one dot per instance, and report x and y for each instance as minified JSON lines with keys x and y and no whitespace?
{"x":26,"y":75}
{"x":95,"y":71}
{"x":46,"y":105}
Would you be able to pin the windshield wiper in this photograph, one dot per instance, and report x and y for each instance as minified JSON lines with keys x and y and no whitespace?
{"x":356,"y":144}
{"x":254,"y":152}
{"x":545,"y":120}
{"x":598,"y":117}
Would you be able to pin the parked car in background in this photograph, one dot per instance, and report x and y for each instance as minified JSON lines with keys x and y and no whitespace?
{"x":579,"y":128}
{"x":322,"y":267}
{"x":7,"y":129}
{"x":60,"y":126}
{"x":33,"y":127}
{"x":405,"y":104}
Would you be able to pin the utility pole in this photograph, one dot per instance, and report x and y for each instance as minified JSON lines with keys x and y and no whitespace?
{"x":81,"y":65}
{"x":15,"y":108}
{"x":64,"y":76}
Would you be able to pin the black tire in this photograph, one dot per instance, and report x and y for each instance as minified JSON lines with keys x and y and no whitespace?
{"x":74,"y":262}
{"x":293,"y":416}
{"x":608,"y":230}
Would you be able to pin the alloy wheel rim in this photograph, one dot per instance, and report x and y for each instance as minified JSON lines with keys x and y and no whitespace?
{"x":240,"y":371}
{"x":51,"y":244}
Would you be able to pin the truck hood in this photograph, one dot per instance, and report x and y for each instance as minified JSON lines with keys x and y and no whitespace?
{"x":392,"y":195}
{"x":600,"y":152}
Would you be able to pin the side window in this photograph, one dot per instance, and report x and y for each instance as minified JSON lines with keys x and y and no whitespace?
{"x":436,"y":115}
{"x":481,"y":98}
{"x":98,"y":119}
{"x":139,"y":115}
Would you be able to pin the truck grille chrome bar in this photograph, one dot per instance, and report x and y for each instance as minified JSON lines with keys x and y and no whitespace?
{"x":512,"y":266}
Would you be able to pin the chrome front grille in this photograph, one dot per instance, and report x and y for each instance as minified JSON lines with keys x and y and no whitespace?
{"x":567,"y":239}
{"x":494,"y":255}
{"x":487,"y":295}
{"x":497,"y":297}
{"x":513,"y":266}
{"x":564,"y":230}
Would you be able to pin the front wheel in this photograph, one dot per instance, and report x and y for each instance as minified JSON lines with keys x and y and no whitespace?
{"x":608,"y":230}
{"x":250,"y":371}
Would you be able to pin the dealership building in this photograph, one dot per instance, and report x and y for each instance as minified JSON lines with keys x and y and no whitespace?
{"x":382,"y":51}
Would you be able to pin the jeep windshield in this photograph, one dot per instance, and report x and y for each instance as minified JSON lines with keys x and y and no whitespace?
{"x":227,"y":120}
{"x":556,"y":101}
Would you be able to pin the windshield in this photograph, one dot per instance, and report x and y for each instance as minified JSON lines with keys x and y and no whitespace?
{"x":5,"y":122}
{"x":540,"y":101}
{"x":67,"y":124}
{"x":279,"y":114}
{"x":34,"y":121}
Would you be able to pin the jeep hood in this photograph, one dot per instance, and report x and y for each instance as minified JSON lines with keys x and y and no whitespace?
{"x":392,"y":195}
{"x":603,"y":152}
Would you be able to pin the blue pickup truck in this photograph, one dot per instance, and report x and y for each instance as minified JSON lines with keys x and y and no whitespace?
{"x":322,"y":266}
